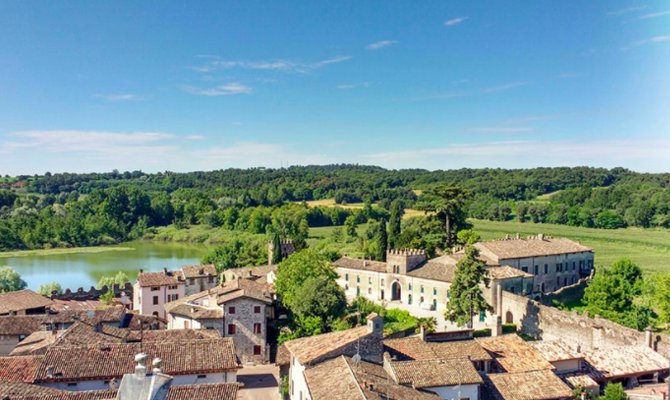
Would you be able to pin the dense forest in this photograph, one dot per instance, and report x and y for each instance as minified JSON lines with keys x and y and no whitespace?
{"x":63,"y":210}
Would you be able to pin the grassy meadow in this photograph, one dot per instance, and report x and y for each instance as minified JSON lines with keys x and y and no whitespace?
{"x":649,"y":248}
{"x":57,"y":251}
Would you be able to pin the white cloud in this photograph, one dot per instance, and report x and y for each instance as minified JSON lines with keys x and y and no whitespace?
{"x":653,"y":39}
{"x":501,"y":129}
{"x":467,"y":93}
{"x":640,"y":154}
{"x":504,"y":87}
{"x":274,"y":65}
{"x":227,"y":89}
{"x":455,"y":21}
{"x":194,"y":137}
{"x":119,"y":97}
{"x":654,"y":15}
{"x":381,"y":44}
{"x":347,"y":86}
{"x":625,"y":10}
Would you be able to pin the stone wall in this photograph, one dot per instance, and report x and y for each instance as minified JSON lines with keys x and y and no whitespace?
{"x":543,"y":322}
{"x":566,"y":294}
{"x":93,"y":293}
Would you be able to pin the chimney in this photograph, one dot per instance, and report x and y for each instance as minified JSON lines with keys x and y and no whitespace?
{"x":50,"y":371}
{"x":497,"y":326}
{"x":141,"y":367}
{"x":157,"y":364}
{"x":422,"y":333}
{"x":499,"y":300}
{"x":649,"y":337}
{"x":375,"y":325}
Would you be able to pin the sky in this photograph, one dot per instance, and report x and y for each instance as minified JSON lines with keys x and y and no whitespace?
{"x":183,"y":86}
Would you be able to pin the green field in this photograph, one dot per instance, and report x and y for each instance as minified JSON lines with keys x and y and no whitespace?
{"x":71,"y":250}
{"x":649,"y":248}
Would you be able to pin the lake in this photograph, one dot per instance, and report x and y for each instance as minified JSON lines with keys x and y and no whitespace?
{"x":74,"y":270}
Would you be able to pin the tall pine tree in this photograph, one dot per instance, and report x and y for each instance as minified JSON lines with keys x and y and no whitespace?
{"x":276,"y":248}
{"x":465,"y":295}
{"x":382,"y":241}
{"x":397,"y":211}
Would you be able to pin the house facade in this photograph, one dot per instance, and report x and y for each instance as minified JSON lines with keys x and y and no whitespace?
{"x":154,"y":289}
{"x":198,"y":278}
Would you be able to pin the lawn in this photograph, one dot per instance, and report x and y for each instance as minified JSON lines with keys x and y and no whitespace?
{"x":71,"y":250}
{"x":649,"y":248}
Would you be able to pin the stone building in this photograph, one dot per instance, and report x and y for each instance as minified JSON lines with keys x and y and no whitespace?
{"x":286,"y":246}
{"x":238,"y":309}
{"x":199,"y":277}
{"x":23,"y":302}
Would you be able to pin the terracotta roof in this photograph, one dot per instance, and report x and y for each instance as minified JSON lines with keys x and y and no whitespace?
{"x":238,"y":288}
{"x":533,"y":247}
{"x":198,"y":271}
{"x":204,"y":391}
{"x":532,"y":385}
{"x":579,"y":379}
{"x":311,"y":348}
{"x":556,"y":350}
{"x":283,"y":356}
{"x":81,"y":305}
{"x":513,"y":354}
{"x":342,"y":379}
{"x":19,"y":368}
{"x":84,"y":362}
{"x":413,"y":348}
{"x":36,"y":343}
{"x":360,"y":264}
{"x":434,"y":270}
{"x":258,"y":273}
{"x":195,"y":311}
{"x":24,"y":391}
{"x":22,"y":300}
{"x":435,"y":373}
{"x":14,"y":325}
{"x":162,"y":278}
{"x":624,"y":361}
{"x":507,"y":272}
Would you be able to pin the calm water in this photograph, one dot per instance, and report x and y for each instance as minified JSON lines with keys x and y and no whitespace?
{"x":85,"y":269}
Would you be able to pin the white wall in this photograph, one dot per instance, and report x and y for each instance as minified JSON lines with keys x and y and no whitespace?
{"x":297,"y":382}
{"x":456,"y":392}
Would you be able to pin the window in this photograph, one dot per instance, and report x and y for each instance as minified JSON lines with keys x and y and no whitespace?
{"x":421,"y":288}
{"x":358,"y":291}
{"x":358,"y":279}
{"x":537,"y":269}
{"x":172,"y":297}
{"x":565,"y":281}
{"x":482,"y":316}
{"x":382,"y":281}
{"x":257,"y":328}
{"x":369,"y":290}
{"x":172,"y":287}
{"x":409,"y":285}
{"x":191,"y":281}
{"x":231,"y":310}
{"x":434,"y":291}
{"x":257,"y":350}
{"x":546,"y":268}
{"x":210,"y":279}
{"x":574,"y":265}
{"x":231,"y":329}
{"x":409,"y":299}
{"x":369,"y":280}
{"x":202,"y":376}
{"x":512,"y":289}
{"x":557,"y":268}
{"x":155,"y":288}
{"x":257,"y":309}
{"x":155,"y":300}
{"x":448,"y":294}
{"x":434,"y":304}
{"x":71,"y":384}
{"x":524,"y":269}
{"x":346,"y":277}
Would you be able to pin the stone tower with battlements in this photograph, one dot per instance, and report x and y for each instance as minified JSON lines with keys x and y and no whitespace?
{"x":403,"y":261}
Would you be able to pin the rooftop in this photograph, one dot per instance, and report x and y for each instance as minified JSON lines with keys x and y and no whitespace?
{"x":343,"y":379}
{"x":435,"y":373}
{"x":557,"y":350}
{"x":162,"y":278}
{"x":310,"y":349}
{"x":360,"y":264}
{"x":513,"y":354}
{"x":198,"y":271}
{"x":625,"y":361}
{"x":507,"y":272}
{"x":179,"y":358}
{"x":533,"y":246}
{"x":36,"y":343}
{"x":238,"y":288}
{"x":579,"y":380}
{"x":19,"y":368}
{"x":22,"y":300}
{"x":413,"y":348}
{"x":531,"y":385}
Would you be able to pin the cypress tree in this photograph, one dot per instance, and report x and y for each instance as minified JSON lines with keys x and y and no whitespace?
{"x":397,"y":211}
{"x":382,"y":241}
{"x":276,"y":248}
{"x":465,"y":295}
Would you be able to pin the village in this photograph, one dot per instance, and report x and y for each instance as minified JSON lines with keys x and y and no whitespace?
{"x":194,"y":334}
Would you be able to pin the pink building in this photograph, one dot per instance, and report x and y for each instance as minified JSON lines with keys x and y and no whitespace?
{"x":153,"y":289}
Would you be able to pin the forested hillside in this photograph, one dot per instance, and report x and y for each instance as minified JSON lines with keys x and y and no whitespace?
{"x":61,"y":210}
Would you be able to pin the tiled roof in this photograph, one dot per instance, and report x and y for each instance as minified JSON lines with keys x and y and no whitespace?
{"x":14,"y":325}
{"x":506,"y":272}
{"x":413,"y":348}
{"x":84,"y":362}
{"x":283,"y":356}
{"x":198,"y":271}
{"x":23,"y":391}
{"x":434,"y":270}
{"x":513,"y":354}
{"x":196,"y":312}
{"x":19,"y":368}
{"x":556,"y":350}
{"x":162,"y":278}
{"x":360,"y":264}
{"x":533,"y":247}
{"x":623,"y":361}
{"x":579,"y":379}
{"x":36,"y":343}
{"x":80,"y":305}
{"x":342,"y":379}
{"x":311,"y":348}
{"x":205,"y":391}
{"x":258,"y":273}
{"x":533,"y":385}
{"x":434,"y":373}
{"x":22,"y":300}
{"x":238,"y":288}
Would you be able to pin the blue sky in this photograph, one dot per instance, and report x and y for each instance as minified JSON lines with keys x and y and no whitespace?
{"x":93,"y":86}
